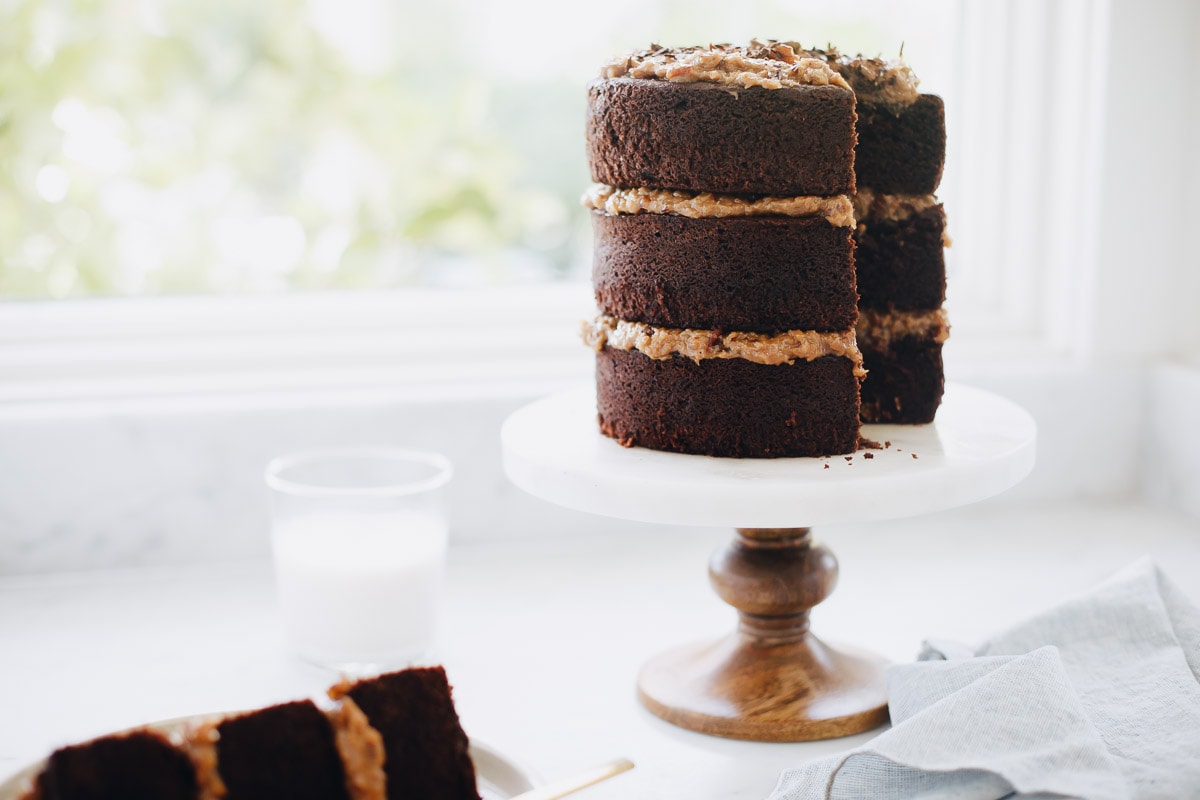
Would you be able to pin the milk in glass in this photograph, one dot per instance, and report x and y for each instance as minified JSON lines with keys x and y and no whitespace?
{"x":360,"y":588}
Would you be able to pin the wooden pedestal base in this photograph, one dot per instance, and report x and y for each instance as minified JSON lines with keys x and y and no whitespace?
{"x":772,"y":681}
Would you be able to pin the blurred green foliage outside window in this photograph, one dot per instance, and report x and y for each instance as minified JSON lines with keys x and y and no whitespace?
{"x":149,"y":146}
{"x":183,"y":146}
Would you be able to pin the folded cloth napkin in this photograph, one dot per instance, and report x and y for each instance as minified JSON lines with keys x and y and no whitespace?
{"x":1098,"y":698}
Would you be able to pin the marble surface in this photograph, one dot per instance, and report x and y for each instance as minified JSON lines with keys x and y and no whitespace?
{"x":979,"y":446}
{"x":543,"y":636}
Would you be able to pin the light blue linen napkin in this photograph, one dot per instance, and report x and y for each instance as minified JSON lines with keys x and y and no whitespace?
{"x":1098,"y":698}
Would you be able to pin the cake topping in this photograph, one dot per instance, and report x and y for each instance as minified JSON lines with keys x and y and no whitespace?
{"x":869,"y":205}
{"x":877,"y":329}
{"x":837,"y":210}
{"x":880,"y":81}
{"x":699,"y":344}
{"x":775,"y":65}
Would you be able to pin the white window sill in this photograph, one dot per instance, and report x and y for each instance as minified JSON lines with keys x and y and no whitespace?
{"x":416,"y":340}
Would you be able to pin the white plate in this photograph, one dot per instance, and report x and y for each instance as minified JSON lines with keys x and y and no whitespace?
{"x":979,"y":445}
{"x":499,"y":777}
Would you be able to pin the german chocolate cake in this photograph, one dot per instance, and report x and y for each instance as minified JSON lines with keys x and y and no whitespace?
{"x":724,"y":261}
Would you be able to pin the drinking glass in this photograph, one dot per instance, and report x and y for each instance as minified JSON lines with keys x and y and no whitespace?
{"x":359,"y":541}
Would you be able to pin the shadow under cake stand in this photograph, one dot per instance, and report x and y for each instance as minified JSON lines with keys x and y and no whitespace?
{"x":771,"y":680}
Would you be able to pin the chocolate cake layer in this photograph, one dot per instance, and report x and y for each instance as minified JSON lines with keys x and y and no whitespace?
{"x":142,"y":765}
{"x":904,"y":383}
{"x":426,"y":750}
{"x":728,"y":407}
{"x":286,"y":750}
{"x":762,"y":274}
{"x":901,"y":263}
{"x":796,"y":140}
{"x":901,"y":151}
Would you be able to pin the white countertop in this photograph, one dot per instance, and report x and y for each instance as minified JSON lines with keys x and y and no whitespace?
{"x":543,"y":637}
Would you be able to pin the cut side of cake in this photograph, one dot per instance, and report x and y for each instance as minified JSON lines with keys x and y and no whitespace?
{"x":901,"y":150}
{"x":900,"y":238}
{"x":723,"y":261}
{"x":902,"y":325}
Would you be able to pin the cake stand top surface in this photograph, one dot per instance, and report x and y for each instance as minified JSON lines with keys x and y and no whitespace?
{"x":979,"y":445}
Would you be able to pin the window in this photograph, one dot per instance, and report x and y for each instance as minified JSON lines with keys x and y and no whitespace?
{"x":173,"y":149}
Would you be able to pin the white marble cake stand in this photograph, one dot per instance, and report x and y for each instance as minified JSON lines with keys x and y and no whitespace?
{"x":772,"y":680}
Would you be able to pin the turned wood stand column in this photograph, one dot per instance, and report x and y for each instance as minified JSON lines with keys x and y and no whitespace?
{"x":772,"y":681}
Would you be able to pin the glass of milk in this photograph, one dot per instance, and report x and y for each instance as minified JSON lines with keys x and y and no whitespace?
{"x":359,"y":542}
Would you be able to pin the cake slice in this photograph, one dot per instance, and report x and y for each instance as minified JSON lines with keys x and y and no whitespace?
{"x":390,"y":737}
{"x":140,"y":765}
{"x":426,"y":752}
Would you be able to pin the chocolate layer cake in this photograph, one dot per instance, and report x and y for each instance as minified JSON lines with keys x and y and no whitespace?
{"x":723,"y":265}
{"x":142,"y":765}
{"x":426,"y":750}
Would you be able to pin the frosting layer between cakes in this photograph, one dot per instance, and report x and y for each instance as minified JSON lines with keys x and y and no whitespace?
{"x":837,"y":210}
{"x":700,"y":345}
